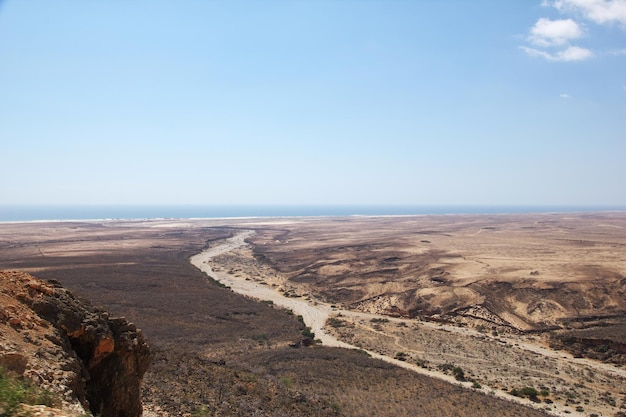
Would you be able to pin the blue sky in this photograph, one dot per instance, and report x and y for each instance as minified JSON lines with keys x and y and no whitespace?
{"x":313,"y":102}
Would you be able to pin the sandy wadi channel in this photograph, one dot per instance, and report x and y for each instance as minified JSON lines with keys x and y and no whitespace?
{"x":496,"y":284}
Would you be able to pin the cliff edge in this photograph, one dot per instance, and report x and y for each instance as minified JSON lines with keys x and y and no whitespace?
{"x":90,"y":361}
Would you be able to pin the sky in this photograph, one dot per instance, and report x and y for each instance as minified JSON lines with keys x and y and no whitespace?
{"x":519,"y":102}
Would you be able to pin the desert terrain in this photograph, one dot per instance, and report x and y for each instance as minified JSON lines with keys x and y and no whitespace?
{"x":464,"y":310}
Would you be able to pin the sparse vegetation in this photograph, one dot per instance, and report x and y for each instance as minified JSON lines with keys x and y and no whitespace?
{"x":15,"y":391}
{"x":306,"y":332}
{"x":528,"y":392}
{"x":458,"y":373}
{"x":231,"y":366}
{"x":335,"y":322}
{"x":604,"y":343}
{"x":422,"y":363}
{"x":218,"y":283}
{"x":362,"y":352}
{"x":446,"y":367}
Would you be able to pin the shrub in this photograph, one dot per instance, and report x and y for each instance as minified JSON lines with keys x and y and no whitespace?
{"x":422,"y":363}
{"x":528,"y":392}
{"x":335,"y":322}
{"x":446,"y":367}
{"x":14,"y":391}
{"x":306,"y":332}
{"x":458,"y":373}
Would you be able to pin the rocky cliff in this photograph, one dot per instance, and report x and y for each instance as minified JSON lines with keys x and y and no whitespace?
{"x":90,"y":360}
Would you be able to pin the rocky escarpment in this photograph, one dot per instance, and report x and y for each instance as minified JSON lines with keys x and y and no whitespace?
{"x":607,"y":343}
{"x":90,"y":360}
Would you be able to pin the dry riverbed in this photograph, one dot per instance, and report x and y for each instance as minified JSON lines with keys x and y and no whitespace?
{"x":494,"y":363}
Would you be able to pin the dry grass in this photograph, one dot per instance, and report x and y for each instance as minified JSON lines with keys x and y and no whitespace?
{"x":503,"y":362}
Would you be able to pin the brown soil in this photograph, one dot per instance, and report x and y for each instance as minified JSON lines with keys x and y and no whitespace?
{"x":218,"y":353}
{"x":480,"y":339}
{"x":525,"y":272}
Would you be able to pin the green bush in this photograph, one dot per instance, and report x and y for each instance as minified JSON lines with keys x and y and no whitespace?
{"x":458,"y":373}
{"x":14,"y":391}
{"x":528,"y":392}
{"x":306,"y":332}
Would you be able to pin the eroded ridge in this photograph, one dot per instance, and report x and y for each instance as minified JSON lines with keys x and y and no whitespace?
{"x":494,"y":358}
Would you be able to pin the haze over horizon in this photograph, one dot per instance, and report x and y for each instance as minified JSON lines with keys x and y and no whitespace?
{"x":313,"y":102}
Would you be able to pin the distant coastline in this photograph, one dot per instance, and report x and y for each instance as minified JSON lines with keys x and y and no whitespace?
{"x":28,"y":213}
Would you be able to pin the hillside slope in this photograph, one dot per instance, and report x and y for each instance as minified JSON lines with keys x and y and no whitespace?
{"x":86,"y":359}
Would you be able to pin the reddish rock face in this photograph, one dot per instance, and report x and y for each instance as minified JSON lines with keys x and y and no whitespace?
{"x":110,"y":355}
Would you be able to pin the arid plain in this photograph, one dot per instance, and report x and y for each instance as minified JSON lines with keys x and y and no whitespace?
{"x":481,"y":301}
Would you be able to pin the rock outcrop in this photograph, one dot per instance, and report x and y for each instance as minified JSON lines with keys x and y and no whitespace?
{"x":92,"y":361}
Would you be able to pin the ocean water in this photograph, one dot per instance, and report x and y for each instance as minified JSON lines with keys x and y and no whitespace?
{"x":21,"y":213}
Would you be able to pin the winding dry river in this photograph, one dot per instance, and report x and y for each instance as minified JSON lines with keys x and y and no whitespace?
{"x":314,"y":316}
{"x":316,"y":313}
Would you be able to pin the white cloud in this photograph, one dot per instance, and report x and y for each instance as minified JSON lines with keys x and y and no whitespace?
{"x":598,"y":11}
{"x":547,"y":35}
{"x":565,"y":96}
{"x":536,"y":52}
{"x":548,"y":32}
{"x":572,"y":53}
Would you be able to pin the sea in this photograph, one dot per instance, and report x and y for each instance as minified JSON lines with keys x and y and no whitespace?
{"x":24,"y":213}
